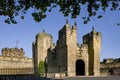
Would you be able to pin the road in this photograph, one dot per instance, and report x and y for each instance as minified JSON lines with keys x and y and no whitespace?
{"x":92,"y":78}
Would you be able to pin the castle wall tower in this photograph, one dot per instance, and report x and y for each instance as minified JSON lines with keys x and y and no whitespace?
{"x":61,"y":50}
{"x":66,"y":49}
{"x":93,"y":39}
{"x":40,"y":46}
{"x":71,"y":41}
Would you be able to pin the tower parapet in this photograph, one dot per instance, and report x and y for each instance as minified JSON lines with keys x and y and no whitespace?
{"x":13,"y":52}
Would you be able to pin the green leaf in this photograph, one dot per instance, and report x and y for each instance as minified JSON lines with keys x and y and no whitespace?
{"x":99,"y":16}
{"x":41,"y":67}
{"x":22,"y":17}
{"x":85,"y":21}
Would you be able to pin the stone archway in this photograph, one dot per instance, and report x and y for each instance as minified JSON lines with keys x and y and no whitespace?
{"x":80,"y":67}
{"x":111,"y":72}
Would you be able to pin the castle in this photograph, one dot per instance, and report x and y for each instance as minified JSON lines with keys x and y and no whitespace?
{"x":67,"y":56}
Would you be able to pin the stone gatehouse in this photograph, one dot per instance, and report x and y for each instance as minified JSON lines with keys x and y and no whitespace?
{"x":68,"y":56}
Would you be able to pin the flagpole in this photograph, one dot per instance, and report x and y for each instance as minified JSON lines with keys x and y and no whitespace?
{"x":17,"y":43}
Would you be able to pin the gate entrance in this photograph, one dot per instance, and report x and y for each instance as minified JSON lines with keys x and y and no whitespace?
{"x":80,"y":67}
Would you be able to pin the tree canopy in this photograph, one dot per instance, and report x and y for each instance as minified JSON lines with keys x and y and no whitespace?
{"x":73,"y":8}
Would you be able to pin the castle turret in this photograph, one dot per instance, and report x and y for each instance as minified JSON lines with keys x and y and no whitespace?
{"x":93,"y":39}
{"x":71,"y":42}
{"x":40,"y":46}
{"x":67,"y":49}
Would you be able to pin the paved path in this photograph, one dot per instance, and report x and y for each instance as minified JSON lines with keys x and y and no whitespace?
{"x":92,"y":78}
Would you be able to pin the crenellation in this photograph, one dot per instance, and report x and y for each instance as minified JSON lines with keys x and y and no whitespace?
{"x":73,"y":29}
{"x":67,"y":26}
{"x":98,"y":33}
{"x":12,"y":52}
{"x":84,"y":46}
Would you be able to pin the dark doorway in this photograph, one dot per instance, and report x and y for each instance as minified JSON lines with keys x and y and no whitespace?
{"x":80,"y":67}
{"x":111,"y":72}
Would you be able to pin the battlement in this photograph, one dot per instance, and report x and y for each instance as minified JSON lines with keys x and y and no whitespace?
{"x":13,"y":52}
{"x":14,"y":58}
{"x":92,"y":36}
{"x":93,"y":32}
{"x":43,"y":34}
{"x":68,"y":29}
{"x":108,"y":60}
{"x":111,"y":60}
{"x":83,"y":46}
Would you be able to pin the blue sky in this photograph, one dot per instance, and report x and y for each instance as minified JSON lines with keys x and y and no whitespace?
{"x":26,"y":30}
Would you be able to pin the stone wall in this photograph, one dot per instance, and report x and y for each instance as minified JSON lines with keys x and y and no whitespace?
{"x":13,"y":61}
{"x":110,"y":67}
{"x":82,"y":54}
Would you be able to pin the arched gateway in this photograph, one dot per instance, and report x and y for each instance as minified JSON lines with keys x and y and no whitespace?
{"x":80,"y":67}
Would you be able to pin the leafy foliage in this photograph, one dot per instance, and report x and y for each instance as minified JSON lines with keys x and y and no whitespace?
{"x":41,"y":67}
{"x":13,"y":8}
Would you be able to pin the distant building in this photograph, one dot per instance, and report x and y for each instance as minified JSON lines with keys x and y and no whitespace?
{"x":13,"y":61}
{"x":13,"y":53}
{"x":110,"y":66}
{"x":67,"y":56}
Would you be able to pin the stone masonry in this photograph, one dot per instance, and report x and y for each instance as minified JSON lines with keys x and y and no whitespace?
{"x":40,"y":46}
{"x":13,"y":61}
{"x":67,"y":56}
{"x":110,"y":66}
